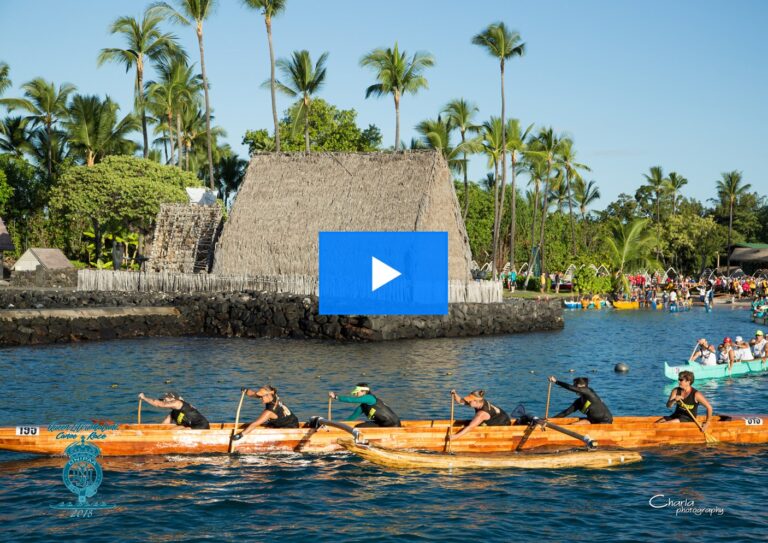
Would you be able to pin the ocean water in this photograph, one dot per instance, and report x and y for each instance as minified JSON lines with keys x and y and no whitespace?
{"x":718,"y":494}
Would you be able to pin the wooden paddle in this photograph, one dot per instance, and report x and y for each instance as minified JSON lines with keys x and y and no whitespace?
{"x":546,"y":410}
{"x":693,"y":352}
{"x":709,"y":437}
{"x":138,"y":415}
{"x":450,"y":428}
{"x":330,"y":400}
{"x":237,"y":422}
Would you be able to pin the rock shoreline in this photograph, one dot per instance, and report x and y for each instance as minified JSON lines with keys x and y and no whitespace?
{"x":245,"y":314}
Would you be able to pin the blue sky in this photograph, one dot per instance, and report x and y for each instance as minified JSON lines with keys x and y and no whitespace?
{"x":681,"y":84}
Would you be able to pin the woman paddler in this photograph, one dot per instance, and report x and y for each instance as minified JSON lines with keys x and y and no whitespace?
{"x":275,"y":415}
{"x":685,"y":396}
{"x":182,"y":413}
{"x":486,"y":414}
{"x":376,"y":411}
{"x":588,"y":402}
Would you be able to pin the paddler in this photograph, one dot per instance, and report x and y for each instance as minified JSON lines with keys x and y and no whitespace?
{"x":588,"y":402}
{"x":688,"y":396}
{"x":275,"y":415}
{"x":486,"y":414}
{"x":182,"y":413}
{"x":377,"y":412}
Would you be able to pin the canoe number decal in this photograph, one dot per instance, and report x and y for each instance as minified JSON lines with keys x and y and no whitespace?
{"x":27,"y":430}
{"x":754,"y":421}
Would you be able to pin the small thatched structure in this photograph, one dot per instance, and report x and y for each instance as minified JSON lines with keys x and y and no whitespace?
{"x":286,"y":199}
{"x":184,"y":238}
{"x":42,"y":258}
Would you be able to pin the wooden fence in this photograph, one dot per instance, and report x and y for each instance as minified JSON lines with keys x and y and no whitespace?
{"x":127,"y":281}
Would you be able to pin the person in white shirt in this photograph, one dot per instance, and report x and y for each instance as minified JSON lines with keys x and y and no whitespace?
{"x":759,"y":345}
{"x":706,"y":352}
{"x":742,"y":351}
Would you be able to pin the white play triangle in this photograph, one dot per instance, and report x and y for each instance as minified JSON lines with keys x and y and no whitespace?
{"x":381,"y":274}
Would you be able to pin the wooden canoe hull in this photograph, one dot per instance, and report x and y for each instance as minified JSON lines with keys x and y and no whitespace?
{"x":399,"y":459}
{"x":720,"y":371}
{"x":161,"y":439}
{"x":626,"y":305}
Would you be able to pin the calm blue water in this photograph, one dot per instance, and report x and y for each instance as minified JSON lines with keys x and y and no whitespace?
{"x":340,"y":498}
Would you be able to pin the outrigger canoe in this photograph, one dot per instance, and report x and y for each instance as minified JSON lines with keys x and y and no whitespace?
{"x":720,"y":371}
{"x":620,"y":304}
{"x":429,"y":435}
{"x":418,"y":460}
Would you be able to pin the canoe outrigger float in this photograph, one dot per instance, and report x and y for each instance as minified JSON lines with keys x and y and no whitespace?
{"x":720,"y":371}
{"x":425,"y":435}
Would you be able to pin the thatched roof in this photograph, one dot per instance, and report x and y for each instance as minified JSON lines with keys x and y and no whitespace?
{"x":51,"y":259}
{"x":286,"y":199}
{"x":6,"y":244}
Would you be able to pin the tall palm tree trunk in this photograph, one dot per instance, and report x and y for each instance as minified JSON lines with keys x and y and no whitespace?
{"x":570,"y":212}
{"x":513,"y":217}
{"x":207,"y":104}
{"x":179,"y":145}
{"x":397,"y":121}
{"x":533,"y":233}
{"x":169,"y":116}
{"x":495,"y":214}
{"x":50,"y":150}
{"x":466,"y":179}
{"x":503,"y":162}
{"x":268,"y":22}
{"x":730,"y":229}
{"x":140,"y":102}
{"x":306,"y":126}
{"x":544,"y":206}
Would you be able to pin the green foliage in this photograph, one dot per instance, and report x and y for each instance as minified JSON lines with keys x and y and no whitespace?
{"x":6,"y":191}
{"x":586,"y":281}
{"x":330,"y":129}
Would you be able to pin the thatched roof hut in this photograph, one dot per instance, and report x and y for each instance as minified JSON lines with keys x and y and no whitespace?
{"x":184,"y":237}
{"x":286,"y":199}
{"x":6,"y":244}
{"x":45,"y":258}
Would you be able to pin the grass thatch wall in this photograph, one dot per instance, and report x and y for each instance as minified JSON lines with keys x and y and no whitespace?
{"x":287,"y":199}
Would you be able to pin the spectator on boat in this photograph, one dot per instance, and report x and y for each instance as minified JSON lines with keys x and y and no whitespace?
{"x":706,"y":352}
{"x":759,"y":345}
{"x":376,"y":411}
{"x":486,"y":414}
{"x":588,"y":402}
{"x":742,"y":351}
{"x":182,"y":413}
{"x":686,"y":395}
{"x":275,"y":415}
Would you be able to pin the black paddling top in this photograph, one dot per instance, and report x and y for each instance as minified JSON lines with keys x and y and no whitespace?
{"x":499,"y":417}
{"x":588,"y":403}
{"x":285,"y":418}
{"x":190,"y":417}
{"x":380,"y":413}
{"x":691,"y":403}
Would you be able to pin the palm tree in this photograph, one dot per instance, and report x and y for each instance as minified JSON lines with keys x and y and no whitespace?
{"x":302,"y":80}
{"x":46,"y":106}
{"x":270,"y":8}
{"x":675,"y":182}
{"x":658,"y":184}
{"x":196,"y":12}
{"x":176,"y":86}
{"x":460,"y":114}
{"x":144,"y":40}
{"x":230,"y":172}
{"x":436,"y":134}
{"x":630,"y":247}
{"x":517,"y":147}
{"x":558,"y":191}
{"x":537,"y":170}
{"x":503,"y":44}
{"x":546,"y":146}
{"x":94,"y":130}
{"x":396,"y":75}
{"x":5,"y":80}
{"x":585,"y":194}
{"x":489,"y":143}
{"x":571,"y":167}
{"x":729,"y":189}
{"x":15,"y":139}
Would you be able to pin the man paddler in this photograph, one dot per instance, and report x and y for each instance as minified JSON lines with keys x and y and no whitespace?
{"x":275,"y":415}
{"x":685,"y":396}
{"x":588,"y":402}
{"x":182,"y":413}
{"x":486,"y":414}
{"x":376,"y":411}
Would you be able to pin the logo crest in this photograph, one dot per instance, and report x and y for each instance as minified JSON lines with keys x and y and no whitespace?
{"x":82,"y":475}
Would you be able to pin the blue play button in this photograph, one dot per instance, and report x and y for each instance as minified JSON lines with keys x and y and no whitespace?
{"x":383,"y":273}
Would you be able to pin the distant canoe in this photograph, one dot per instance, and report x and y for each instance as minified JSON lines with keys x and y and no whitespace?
{"x":572,"y":305}
{"x":400,"y":459}
{"x":719,"y":371}
{"x":619,"y":304}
